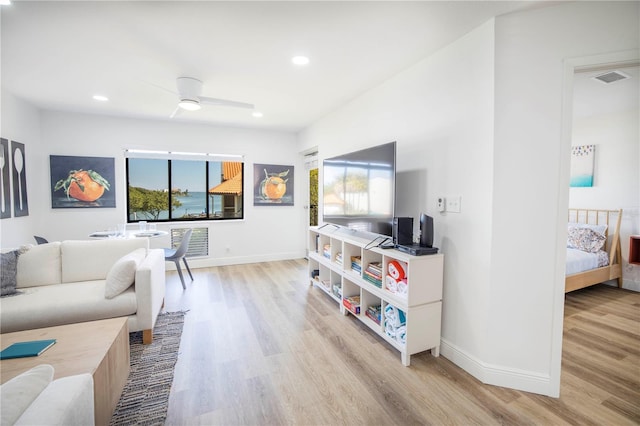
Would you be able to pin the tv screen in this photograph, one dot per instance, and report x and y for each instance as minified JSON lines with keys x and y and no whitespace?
{"x":359,"y":189}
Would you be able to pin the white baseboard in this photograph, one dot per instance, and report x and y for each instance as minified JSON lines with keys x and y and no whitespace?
{"x":496,"y":375}
{"x":631,"y":285}
{"x":206,"y":262}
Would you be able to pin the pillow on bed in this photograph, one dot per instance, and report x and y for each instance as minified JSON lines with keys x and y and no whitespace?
{"x":585,"y":239}
{"x":601,"y":229}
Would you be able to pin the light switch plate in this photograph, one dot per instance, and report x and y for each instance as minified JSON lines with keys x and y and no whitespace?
{"x":453,"y":203}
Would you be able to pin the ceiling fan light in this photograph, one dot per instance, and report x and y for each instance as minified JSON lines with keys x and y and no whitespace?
{"x":189,"y":104}
{"x":300,"y":60}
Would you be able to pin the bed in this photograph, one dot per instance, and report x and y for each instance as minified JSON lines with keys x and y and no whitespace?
{"x":593,"y":253}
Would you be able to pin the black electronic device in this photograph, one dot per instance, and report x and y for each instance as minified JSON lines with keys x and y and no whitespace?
{"x":426,"y":239}
{"x":417,"y":249}
{"x":403,"y":230}
{"x":426,"y":230}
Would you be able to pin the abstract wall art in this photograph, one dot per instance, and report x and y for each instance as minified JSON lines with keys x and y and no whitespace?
{"x":582,"y":163}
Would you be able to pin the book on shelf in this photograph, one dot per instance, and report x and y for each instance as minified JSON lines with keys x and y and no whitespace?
{"x":373,"y":280}
{"x":375,"y":267}
{"x":374,"y":274}
{"x":374,"y":312}
{"x":337,"y":290}
{"x":26,"y":349}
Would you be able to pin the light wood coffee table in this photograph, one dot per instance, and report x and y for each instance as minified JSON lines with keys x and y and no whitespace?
{"x":100,"y":348}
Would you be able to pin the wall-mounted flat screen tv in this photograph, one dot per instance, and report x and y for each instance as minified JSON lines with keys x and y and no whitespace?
{"x":359,"y":189}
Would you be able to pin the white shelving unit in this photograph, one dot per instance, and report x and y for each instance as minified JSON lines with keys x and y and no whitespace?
{"x":421,"y":305}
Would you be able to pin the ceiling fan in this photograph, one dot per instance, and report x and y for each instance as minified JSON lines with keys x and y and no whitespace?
{"x":189,"y":99}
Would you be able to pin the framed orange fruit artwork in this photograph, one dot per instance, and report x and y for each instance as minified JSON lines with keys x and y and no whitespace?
{"x":81,"y":182}
{"x":272,"y":185}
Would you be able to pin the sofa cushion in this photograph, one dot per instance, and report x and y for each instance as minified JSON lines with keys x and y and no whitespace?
{"x":123,"y":273}
{"x":66,"y":401}
{"x":92,"y":260}
{"x":66,"y":303}
{"x":8,"y":271}
{"x":40,"y":265}
{"x":18,"y":393}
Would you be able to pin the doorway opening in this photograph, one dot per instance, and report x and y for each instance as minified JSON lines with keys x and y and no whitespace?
{"x":312,"y":203}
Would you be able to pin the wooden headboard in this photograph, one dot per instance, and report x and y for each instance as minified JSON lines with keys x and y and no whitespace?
{"x":601,"y":217}
{"x":605,"y":273}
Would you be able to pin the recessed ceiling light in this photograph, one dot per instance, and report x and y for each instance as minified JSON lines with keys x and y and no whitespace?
{"x":100,"y":98}
{"x":256,"y":114}
{"x":300,"y":60}
{"x":5,"y":2}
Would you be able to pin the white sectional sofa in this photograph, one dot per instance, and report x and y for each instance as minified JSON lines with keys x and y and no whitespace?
{"x":68,"y":282}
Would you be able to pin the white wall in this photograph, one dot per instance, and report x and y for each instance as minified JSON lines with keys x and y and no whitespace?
{"x":21,"y":122}
{"x":440,"y":112}
{"x":487,"y":124}
{"x":531,"y":177}
{"x":258,"y":237}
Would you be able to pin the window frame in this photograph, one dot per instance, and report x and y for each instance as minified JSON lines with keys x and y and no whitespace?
{"x":209,"y":215}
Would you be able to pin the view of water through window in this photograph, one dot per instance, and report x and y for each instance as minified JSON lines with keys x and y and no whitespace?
{"x":193,"y":194}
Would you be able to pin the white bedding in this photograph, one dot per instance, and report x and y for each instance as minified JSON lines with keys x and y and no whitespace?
{"x":580,"y":261}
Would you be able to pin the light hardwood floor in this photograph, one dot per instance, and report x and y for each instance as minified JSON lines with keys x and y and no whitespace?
{"x":262,"y":347}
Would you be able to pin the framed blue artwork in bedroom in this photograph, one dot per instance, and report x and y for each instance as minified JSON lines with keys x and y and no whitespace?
{"x":582,"y":162}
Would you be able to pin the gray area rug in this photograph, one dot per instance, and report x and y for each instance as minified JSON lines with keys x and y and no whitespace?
{"x":145,"y":397}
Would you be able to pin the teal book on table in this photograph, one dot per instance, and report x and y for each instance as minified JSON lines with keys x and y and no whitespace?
{"x":26,"y":349}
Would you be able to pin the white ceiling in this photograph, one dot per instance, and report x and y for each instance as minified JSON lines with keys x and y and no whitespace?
{"x":592,"y":97}
{"x":56,"y":55}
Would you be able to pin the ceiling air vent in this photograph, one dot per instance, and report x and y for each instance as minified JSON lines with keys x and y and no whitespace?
{"x":611,"y":77}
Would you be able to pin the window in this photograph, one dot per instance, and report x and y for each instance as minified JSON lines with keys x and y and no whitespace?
{"x":195,"y":190}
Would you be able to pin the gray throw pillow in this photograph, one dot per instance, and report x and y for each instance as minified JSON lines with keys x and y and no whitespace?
{"x":8,"y":272}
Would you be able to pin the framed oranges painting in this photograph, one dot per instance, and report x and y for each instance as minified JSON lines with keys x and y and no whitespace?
{"x":81,"y":182}
{"x":272,"y":185}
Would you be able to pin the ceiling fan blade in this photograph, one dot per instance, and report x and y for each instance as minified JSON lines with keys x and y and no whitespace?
{"x":157,"y":86}
{"x":224,"y":102}
{"x":175,"y":112}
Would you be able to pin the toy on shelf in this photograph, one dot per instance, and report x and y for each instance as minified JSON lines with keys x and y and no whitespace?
{"x":352,"y":303}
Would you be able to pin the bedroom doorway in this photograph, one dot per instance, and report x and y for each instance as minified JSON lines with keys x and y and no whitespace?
{"x":604,"y":149}
{"x":571,"y":68}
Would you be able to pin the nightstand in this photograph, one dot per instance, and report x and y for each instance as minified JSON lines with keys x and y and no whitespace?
{"x":634,"y":249}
